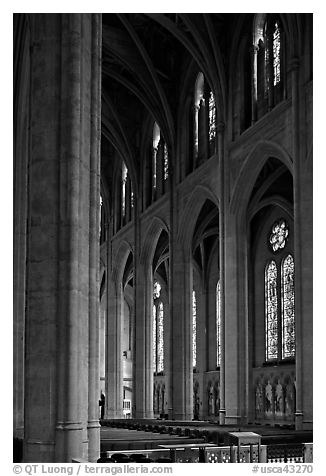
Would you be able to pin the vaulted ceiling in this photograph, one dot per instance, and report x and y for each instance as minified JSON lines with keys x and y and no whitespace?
{"x":145,"y":61}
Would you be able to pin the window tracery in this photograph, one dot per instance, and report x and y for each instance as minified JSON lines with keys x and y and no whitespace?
{"x":279,"y":235}
{"x":123,"y":187}
{"x":212,"y":117}
{"x":277,"y":54}
{"x":158,"y":329}
{"x":194,"y":329}
{"x":218,"y":324}
{"x":279,"y":298}
{"x":271,"y":311}
{"x":287,"y":295}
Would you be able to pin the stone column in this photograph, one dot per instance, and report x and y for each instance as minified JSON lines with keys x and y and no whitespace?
{"x":93,"y":426}
{"x":113,"y":350}
{"x":220,"y":130}
{"x":234,"y":363}
{"x":21,"y":147}
{"x":142,"y":355}
{"x":303,"y":244}
{"x":63,"y":189}
{"x":181,"y":334}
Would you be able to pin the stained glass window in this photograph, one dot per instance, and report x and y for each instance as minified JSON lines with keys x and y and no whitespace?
{"x":287,"y":296}
{"x":271,"y":311}
{"x":199,"y":99}
{"x":279,"y":235}
{"x":123,"y":186}
{"x":154,"y":338}
{"x":160,"y":339}
{"x":156,"y":290}
{"x":277,"y":54}
{"x":218,"y":324}
{"x":166,"y":162}
{"x":194,"y":329}
{"x":156,"y":139}
{"x":212,"y":116}
{"x":158,"y":329}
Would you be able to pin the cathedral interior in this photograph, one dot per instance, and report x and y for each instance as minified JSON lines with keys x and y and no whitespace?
{"x":162,"y":225}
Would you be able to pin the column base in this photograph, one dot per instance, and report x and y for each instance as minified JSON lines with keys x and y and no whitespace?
{"x":37,"y":451}
{"x":93,"y":431}
{"x":298,"y":420}
{"x":232,"y":420}
{"x":222,"y":416}
{"x":182,"y":416}
{"x":69,"y":442}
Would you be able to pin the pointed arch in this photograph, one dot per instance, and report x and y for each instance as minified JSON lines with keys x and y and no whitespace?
{"x":120,"y":259}
{"x":250,"y":169}
{"x":152,"y":235}
{"x":191,"y":213}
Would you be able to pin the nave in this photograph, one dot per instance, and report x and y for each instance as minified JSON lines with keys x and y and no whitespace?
{"x":163,"y":225}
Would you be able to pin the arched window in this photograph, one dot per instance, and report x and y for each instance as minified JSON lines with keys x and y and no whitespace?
{"x":269,"y":62}
{"x":124,"y":175}
{"x":160,"y":163}
{"x":271,"y":311}
{"x":279,"y":297}
{"x":158,"y":329}
{"x":218,"y":324}
{"x":126,"y":196}
{"x":154,"y":338}
{"x":194,"y":329}
{"x":287,"y":295}
{"x":204,"y":132}
{"x":160,"y":339}
{"x":198,"y":103}
{"x":212,"y":117}
{"x":156,"y":140}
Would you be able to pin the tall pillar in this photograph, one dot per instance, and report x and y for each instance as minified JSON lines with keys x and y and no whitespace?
{"x":21,"y":146}
{"x":220,"y":130}
{"x":181,"y":390}
{"x":93,"y":425}
{"x":63,"y":189}
{"x":113,"y":350}
{"x":142,"y":355}
{"x":234,"y":313}
{"x":303,"y":245}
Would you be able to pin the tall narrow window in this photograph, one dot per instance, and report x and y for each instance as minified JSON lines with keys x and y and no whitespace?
{"x":101,"y":218}
{"x":287,"y":296}
{"x":269,"y":72}
{"x":158,"y":329}
{"x":271,"y":311}
{"x":212,"y":116}
{"x":218,"y":324}
{"x":156,"y":140}
{"x":154,"y":337}
{"x":123,"y":187}
{"x":277,"y":54}
{"x":166,"y":162}
{"x":194,"y":329}
{"x":198,"y":102}
{"x":160,"y":339}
